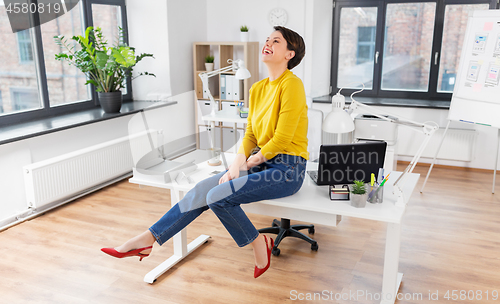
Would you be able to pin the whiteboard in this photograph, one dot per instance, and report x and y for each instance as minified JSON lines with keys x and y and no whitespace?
{"x":476,"y":96}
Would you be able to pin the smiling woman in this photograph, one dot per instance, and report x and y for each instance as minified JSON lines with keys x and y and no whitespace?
{"x":270,"y":162}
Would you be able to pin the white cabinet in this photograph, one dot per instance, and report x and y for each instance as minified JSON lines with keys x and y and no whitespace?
{"x":230,"y":105}
{"x":229,"y":139}
{"x":204,"y":137}
{"x":204,"y":108}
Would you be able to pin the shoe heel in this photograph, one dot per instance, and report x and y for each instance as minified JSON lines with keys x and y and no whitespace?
{"x":142,"y":256}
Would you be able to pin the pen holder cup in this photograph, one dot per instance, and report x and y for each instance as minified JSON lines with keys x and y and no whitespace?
{"x":377,"y":196}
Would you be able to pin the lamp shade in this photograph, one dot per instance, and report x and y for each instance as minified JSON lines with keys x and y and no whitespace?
{"x":338,"y":121}
{"x":242,"y":73}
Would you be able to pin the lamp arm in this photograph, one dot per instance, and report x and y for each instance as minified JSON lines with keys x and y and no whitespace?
{"x":427,"y":128}
{"x":204,"y":80}
{"x":216,"y":72}
{"x":400,"y":182}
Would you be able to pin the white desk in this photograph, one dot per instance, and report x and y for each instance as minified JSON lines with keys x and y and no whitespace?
{"x":227,"y":115}
{"x":310,"y":204}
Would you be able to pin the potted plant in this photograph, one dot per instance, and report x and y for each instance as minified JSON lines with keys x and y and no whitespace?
{"x":106,"y":67}
{"x":209,"y":63}
{"x":359,"y":194}
{"x":244,"y":33}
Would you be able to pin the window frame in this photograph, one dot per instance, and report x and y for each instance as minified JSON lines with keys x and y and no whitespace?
{"x":46,"y":109}
{"x":381,"y":5}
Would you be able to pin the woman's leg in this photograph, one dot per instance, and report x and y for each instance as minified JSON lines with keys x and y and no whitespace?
{"x":179,"y":216}
{"x":283,"y":177}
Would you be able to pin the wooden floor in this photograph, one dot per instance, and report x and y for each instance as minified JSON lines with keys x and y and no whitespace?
{"x":450,"y":241}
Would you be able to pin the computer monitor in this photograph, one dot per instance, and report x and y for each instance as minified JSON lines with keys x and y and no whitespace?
{"x":344,"y":163}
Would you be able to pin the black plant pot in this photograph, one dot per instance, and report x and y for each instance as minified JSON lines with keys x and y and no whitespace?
{"x":111,"y":102}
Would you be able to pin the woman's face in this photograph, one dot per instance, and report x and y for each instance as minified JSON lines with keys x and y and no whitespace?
{"x":275,"y":49}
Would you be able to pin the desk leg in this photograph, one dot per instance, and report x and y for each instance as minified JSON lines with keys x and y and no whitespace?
{"x":212,"y":139}
{"x":391,"y":278}
{"x":235,"y":129}
{"x":181,"y":248}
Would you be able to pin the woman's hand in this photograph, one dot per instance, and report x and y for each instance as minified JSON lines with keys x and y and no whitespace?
{"x":255,"y":160}
{"x":233,"y":171}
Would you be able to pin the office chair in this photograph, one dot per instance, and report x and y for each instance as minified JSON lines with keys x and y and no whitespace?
{"x":283,"y":228}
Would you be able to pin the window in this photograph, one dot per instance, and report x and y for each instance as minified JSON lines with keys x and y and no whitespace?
{"x":24,"y":99}
{"x":399,"y":49}
{"x":455,"y":24}
{"x":66,"y":84}
{"x":355,"y":66}
{"x":407,"y":47}
{"x":366,"y":44}
{"x":17,"y":67}
{"x":33,"y":83}
{"x":25,"y":48}
{"x":109,"y":17}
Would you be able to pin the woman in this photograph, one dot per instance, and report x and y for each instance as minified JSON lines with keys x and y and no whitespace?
{"x":277,"y":125}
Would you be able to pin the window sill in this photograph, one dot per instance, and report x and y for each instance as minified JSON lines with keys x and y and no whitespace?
{"x":392,"y":102}
{"x":48,"y":125}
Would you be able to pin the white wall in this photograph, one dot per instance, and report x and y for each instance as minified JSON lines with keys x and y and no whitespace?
{"x":166,"y":29}
{"x":148,"y":33}
{"x":224,"y":18}
{"x":187,"y":23}
{"x":14,"y":156}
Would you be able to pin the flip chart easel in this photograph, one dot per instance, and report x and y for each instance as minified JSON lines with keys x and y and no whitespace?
{"x":476,"y":96}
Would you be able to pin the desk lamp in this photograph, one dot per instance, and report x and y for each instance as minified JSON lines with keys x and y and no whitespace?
{"x":241,"y":73}
{"x":336,"y":122}
{"x":235,"y":65}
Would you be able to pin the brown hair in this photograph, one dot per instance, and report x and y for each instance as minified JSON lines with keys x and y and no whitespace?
{"x":294,"y":42}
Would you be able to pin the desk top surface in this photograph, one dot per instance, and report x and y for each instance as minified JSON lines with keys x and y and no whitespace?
{"x":310,"y":197}
{"x":227,"y":115}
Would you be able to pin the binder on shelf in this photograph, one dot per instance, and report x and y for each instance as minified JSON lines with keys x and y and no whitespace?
{"x":237,"y":89}
{"x":212,"y":84}
{"x":223,"y":86}
{"x":229,"y":87}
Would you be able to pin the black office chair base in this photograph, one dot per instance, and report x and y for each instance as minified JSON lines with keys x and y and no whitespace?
{"x":283,"y":229}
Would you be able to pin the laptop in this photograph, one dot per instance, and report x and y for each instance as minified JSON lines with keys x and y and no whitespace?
{"x":344,"y":163}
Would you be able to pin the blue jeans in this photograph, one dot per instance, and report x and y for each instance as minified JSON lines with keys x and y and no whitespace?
{"x":278,"y":177}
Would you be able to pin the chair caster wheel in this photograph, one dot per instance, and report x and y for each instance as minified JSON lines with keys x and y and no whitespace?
{"x":314,"y":247}
{"x":311,"y":230}
{"x":276,"y":251}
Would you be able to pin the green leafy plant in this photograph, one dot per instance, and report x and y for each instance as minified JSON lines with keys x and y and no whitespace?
{"x":358,"y":187}
{"x":107,"y":67}
{"x":244,"y":28}
{"x":209,"y":59}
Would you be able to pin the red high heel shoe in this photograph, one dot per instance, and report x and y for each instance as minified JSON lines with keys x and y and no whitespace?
{"x":259,"y":271}
{"x":134,"y":252}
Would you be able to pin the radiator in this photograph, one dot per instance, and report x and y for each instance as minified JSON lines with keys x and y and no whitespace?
{"x":59,"y":178}
{"x":458,"y":144}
